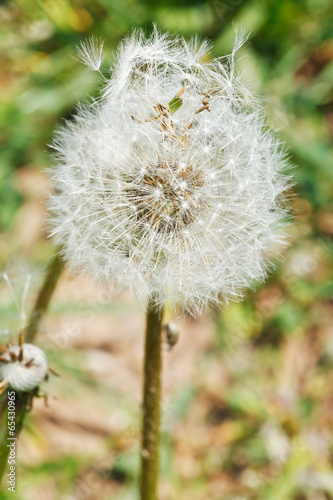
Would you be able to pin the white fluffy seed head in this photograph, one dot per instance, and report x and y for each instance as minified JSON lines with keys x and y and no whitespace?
{"x":171,"y":184}
{"x":25,"y":372}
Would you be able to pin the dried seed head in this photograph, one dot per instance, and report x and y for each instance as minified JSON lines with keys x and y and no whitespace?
{"x":23,"y":368}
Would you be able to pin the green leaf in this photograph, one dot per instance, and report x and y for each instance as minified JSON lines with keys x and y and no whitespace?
{"x":175,"y":104}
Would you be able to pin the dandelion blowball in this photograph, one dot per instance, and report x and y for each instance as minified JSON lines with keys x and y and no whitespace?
{"x":170,"y":183}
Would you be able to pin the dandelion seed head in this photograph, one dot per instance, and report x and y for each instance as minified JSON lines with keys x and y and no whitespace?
{"x":23,"y":373}
{"x":171,"y":184}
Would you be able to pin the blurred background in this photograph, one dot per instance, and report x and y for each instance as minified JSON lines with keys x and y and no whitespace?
{"x":248,"y":392}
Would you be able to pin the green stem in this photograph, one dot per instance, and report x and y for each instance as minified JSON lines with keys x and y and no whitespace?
{"x":151,"y":403}
{"x":44,"y":296}
{"x":22,"y":406}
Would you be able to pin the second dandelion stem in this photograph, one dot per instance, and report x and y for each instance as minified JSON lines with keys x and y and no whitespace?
{"x":54,"y":271}
{"x":151,"y":403}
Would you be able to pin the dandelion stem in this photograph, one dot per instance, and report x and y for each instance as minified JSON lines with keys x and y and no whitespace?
{"x":151,"y":403}
{"x":22,"y":406}
{"x":44,"y":296}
